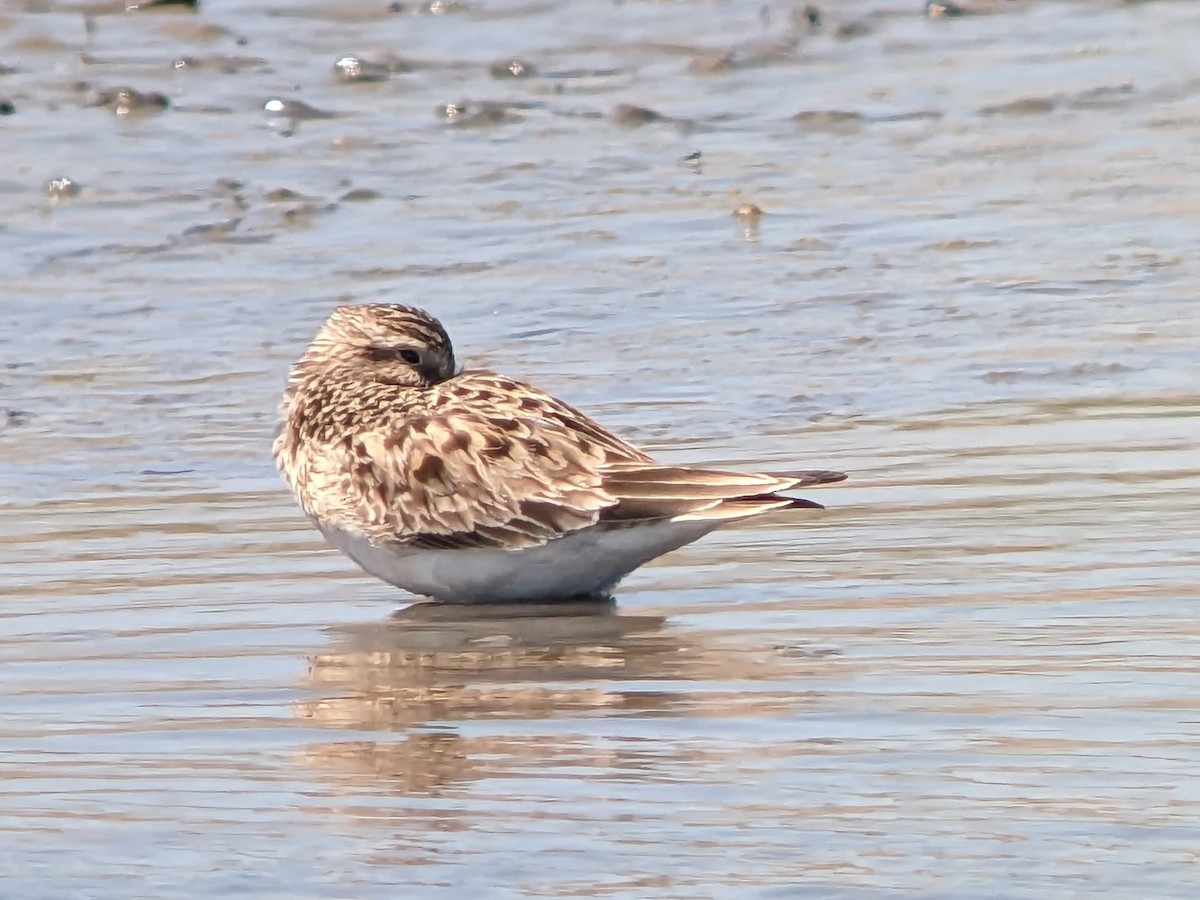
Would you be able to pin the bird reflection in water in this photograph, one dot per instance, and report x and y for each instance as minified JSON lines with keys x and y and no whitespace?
{"x":430,"y":666}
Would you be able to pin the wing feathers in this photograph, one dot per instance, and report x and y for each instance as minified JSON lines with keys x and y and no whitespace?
{"x":481,"y":461}
{"x":661,"y":492}
{"x":745,"y":507}
{"x":692,"y":484}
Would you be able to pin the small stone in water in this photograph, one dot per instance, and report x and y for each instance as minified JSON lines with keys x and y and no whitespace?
{"x":353,"y":68}
{"x":632,"y":116}
{"x":935,"y":10}
{"x":512,"y":68}
{"x":294,"y":109}
{"x":62,"y":188}
{"x":748,"y":212}
{"x":126,"y":100}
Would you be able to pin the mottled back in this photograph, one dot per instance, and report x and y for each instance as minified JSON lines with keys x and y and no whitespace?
{"x":383,"y":439}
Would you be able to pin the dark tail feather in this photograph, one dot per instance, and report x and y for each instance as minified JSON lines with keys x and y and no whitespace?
{"x":801,"y":503}
{"x":793,"y":502}
{"x":808,"y":477}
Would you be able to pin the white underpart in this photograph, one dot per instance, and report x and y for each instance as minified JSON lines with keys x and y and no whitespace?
{"x":587,"y":562}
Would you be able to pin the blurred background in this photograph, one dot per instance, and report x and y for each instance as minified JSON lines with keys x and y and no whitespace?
{"x":950,"y":250}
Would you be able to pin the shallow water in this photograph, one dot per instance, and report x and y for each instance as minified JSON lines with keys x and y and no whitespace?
{"x":974,"y":676}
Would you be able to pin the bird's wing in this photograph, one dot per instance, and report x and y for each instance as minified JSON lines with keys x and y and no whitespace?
{"x":495,"y":463}
{"x":485,"y":462}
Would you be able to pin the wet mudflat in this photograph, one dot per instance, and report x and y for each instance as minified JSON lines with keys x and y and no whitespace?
{"x":952,"y":256}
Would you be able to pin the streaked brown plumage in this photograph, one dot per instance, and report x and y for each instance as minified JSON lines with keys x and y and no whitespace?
{"x":473,"y":487}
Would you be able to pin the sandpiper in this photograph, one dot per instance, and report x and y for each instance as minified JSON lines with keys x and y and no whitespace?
{"x":470,"y":487}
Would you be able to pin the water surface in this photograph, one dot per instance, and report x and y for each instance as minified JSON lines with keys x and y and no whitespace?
{"x":972,"y":288}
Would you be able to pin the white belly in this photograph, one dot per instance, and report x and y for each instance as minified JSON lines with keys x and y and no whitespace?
{"x":588,"y":562}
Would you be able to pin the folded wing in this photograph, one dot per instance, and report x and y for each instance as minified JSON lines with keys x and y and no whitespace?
{"x":466,"y":476}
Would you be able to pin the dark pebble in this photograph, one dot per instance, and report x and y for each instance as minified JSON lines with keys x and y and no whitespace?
{"x":7,"y":107}
{"x":226,"y":65}
{"x":352,"y":69}
{"x":468,"y":113}
{"x":125,"y":101}
{"x":62,"y":188}
{"x":216,"y":231}
{"x":829,"y":120}
{"x":512,"y":68}
{"x":1027,"y":106}
{"x":848,"y":31}
{"x":302,"y":216}
{"x":939,"y":10}
{"x":295,"y":109}
{"x":749,"y":213}
{"x":632,"y":116}
{"x":282,"y":195}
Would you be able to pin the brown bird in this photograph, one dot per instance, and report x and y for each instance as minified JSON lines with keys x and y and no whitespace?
{"x":470,"y":487}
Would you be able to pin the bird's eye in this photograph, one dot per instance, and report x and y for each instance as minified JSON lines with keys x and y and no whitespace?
{"x":410,"y":356}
